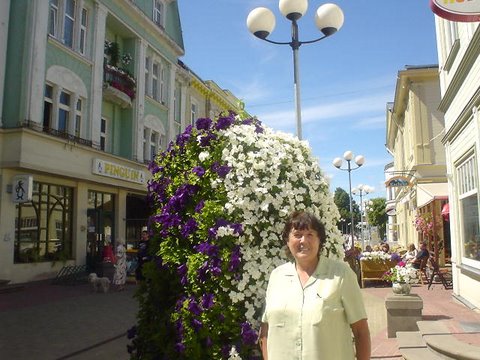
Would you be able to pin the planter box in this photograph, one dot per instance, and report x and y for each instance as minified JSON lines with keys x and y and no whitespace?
{"x":374,"y":269}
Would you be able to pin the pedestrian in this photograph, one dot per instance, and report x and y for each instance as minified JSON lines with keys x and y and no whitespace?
{"x":313,"y":303}
{"x":120,"y":275}
{"x":142,"y":254}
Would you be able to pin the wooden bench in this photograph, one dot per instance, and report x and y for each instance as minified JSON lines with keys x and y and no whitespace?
{"x":374,"y":269}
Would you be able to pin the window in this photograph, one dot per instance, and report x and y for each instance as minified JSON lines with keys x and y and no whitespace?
{"x":153,"y":144}
{"x":155,"y":81}
{"x":147,"y":68}
{"x":78,"y":118}
{"x":193,"y":113}
{"x":83,"y":32}
{"x":52,"y":23}
{"x":68,"y":23}
{"x":63,"y":112}
{"x":43,"y":226}
{"x":158,"y":12}
{"x":163,"y":85}
{"x":103,"y":134}
{"x":48,"y":107}
{"x":468,"y":206}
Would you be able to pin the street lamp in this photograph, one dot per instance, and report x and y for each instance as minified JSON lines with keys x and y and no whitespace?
{"x":359,"y":161}
{"x":261,"y":22}
{"x":362,"y":190}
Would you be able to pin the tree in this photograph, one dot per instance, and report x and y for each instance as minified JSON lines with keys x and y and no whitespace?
{"x":377,"y":215}
{"x":342,"y":200}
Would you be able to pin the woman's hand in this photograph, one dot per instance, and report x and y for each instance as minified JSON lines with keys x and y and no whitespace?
{"x":361,"y":333}
{"x":262,"y":340}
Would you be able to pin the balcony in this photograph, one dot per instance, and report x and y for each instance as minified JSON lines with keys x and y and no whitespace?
{"x":118,"y":86}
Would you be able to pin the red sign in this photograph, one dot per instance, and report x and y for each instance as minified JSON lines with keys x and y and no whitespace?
{"x":457,"y":10}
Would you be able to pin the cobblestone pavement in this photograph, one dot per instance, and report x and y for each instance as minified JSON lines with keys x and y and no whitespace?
{"x":44,"y":321}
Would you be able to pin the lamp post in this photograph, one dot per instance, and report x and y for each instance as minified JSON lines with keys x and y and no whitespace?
{"x":359,"y":161}
{"x":261,"y":22}
{"x":362,"y":190}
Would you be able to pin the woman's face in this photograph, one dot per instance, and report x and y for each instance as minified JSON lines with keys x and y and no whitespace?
{"x":304,"y":244}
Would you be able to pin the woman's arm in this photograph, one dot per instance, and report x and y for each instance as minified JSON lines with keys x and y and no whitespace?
{"x":361,"y":333}
{"x":262,"y":339}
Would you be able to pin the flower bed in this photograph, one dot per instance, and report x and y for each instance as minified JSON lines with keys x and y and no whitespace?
{"x":221,"y":194}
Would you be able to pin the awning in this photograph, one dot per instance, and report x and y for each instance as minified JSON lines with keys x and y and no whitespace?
{"x":390,"y":209}
{"x":446,"y":212}
{"x":426,"y":193}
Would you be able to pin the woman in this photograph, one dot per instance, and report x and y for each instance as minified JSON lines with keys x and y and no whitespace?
{"x":120,"y":275}
{"x":313,"y":304}
{"x":411,"y":253}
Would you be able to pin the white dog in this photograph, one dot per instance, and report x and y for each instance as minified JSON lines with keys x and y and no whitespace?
{"x":99,"y":283}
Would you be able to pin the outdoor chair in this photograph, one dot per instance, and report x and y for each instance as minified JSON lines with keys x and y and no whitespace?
{"x":422,"y":271}
{"x":443,"y":274}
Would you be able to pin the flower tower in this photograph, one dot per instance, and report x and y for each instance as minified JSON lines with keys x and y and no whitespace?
{"x":220,"y":196}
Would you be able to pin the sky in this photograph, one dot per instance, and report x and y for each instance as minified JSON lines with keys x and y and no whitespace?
{"x":346,"y":80}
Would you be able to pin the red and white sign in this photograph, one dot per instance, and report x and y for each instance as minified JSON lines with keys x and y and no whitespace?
{"x":457,"y":10}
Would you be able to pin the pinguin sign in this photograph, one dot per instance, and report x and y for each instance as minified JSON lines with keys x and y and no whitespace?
{"x":457,"y":10}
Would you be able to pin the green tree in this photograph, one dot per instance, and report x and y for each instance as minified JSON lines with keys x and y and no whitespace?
{"x":377,"y":216}
{"x":342,"y":200}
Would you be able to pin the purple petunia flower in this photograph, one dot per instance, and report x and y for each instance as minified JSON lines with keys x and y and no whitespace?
{"x":208,"y":342}
{"x":237,"y":228}
{"x":202,"y":272}
{"x":249,"y":336}
{"x":196,"y":324}
{"x":203,"y":123}
{"x":194,"y":308}
{"x":199,"y":206}
{"x":189,"y":227}
{"x":224,"y":122}
{"x":207,"y":139}
{"x":182,"y":272}
{"x":235,"y":259}
{"x":180,"y":347}
{"x":207,"y":249}
{"x":199,"y":171}
{"x":207,"y":300}
{"x":221,"y":170}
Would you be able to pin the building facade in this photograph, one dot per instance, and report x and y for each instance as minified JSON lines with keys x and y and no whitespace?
{"x":458,"y":47}
{"x":416,"y":181}
{"x":91,"y":91}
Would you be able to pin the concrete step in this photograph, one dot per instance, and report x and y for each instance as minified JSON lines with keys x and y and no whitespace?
{"x":412,"y":346}
{"x":11,"y":288}
{"x":439,"y":340}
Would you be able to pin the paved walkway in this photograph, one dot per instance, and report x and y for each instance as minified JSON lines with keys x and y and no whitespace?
{"x":44,"y":321}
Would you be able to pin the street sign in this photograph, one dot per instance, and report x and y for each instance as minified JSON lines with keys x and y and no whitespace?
{"x":457,"y":10}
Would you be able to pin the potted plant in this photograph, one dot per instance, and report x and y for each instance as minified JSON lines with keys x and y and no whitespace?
{"x":402,"y":277}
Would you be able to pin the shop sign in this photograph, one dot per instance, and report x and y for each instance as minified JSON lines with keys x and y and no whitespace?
{"x":398,"y":181}
{"x":22,"y":188}
{"x":116,"y":171}
{"x":457,"y":10}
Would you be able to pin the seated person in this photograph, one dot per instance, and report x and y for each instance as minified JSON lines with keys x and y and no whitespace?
{"x":385,"y":248}
{"x":423,"y":253}
{"x":411,"y":253}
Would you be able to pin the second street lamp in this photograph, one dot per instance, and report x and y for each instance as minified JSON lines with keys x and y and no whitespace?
{"x":362,"y":190}
{"x":261,"y":22}
{"x":359,"y":161}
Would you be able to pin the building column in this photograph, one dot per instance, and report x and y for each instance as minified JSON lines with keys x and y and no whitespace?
{"x":4,"y":17}
{"x":97,"y":76}
{"x":183,"y":104}
{"x":36,"y":43}
{"x":171,"y":104}
{"x":139,"y":112}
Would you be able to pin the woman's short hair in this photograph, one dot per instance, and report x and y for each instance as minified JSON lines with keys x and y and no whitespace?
{"x":302,"y":220}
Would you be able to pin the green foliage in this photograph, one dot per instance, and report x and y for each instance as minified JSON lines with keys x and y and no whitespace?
{"x":377,"y":215}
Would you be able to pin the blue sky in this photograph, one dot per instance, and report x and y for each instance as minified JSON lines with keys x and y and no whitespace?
{"x":346,"y":80}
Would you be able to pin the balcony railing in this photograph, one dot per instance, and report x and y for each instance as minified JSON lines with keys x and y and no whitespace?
{"x":57,"y":133}
{"x":119,"y":80}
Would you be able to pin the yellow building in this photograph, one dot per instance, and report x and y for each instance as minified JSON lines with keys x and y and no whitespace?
{"x":417,"y":182}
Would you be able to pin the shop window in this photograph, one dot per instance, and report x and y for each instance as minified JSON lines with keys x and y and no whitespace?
{"x":193,"y":113}
{"x":43,"y":226}
{"x":468,"y":201}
